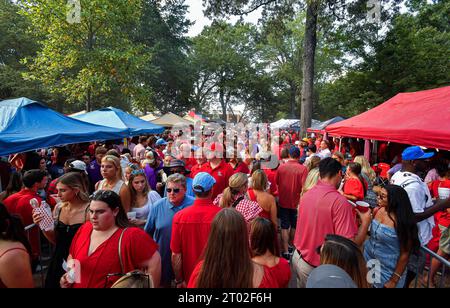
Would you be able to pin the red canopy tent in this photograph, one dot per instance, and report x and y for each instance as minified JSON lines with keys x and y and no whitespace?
{"x":418,"y":118}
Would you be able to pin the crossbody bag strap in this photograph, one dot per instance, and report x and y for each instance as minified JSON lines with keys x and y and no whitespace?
{"x":235,"y":203}
{"x":120,"y":250}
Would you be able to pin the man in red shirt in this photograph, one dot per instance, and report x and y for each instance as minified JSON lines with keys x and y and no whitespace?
{"x":19,"y":204}
{"x":218,"y":168}
{"x":290,"y":179}
{"x":190,"y":229}
{"x":323,"y":210}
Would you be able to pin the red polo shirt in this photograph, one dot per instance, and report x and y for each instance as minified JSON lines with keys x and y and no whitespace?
{"x":290,"y":179}
{"x":323,"y":210}
{"x":190,"y":231}
{"x":241,"y":167}
{"x":25,"y":211}
{"x":221,"y":174}
{"x":11,"y":201}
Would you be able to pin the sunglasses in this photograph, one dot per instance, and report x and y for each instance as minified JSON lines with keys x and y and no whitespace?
{"x":175,"y":190}
{"x":102,"y":194}
{"x":137,"y":172}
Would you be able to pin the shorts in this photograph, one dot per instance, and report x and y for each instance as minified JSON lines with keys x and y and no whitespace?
{"x":288,"y":218}
{"x":444,"y":240}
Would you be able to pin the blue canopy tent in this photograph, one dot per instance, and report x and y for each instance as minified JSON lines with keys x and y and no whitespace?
{"x":113,"y":117}
{"x":319,"y":127}
{"x":27,"y":125}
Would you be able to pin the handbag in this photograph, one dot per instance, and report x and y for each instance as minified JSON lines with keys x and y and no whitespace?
{"x":133,"y":279}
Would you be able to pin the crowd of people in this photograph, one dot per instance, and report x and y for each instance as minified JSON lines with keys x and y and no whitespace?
{"x":266,"y":213}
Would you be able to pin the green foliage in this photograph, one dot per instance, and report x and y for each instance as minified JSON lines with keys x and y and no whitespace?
{"x":162,"y":30}
{"x":413,"y":56}
{"x":88,"y":60}
{"x":15,"y":44}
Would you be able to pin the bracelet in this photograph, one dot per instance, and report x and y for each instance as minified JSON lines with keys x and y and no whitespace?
{"x":398,"y":275}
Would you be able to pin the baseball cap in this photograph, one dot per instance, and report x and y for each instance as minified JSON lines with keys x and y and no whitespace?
{"x":160,"y":141}
{"x":415,"y":152}
{"x":305,"y":139}
{"x":329,"y":276}
{"x":203,"y":182}
{"x":78,"y":165}
{"x":297,"y":142}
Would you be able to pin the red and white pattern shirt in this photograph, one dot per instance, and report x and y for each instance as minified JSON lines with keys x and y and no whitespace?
{"x":248,"y":208}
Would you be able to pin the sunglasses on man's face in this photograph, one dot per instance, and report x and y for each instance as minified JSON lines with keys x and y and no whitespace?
{"x":174,"y":190}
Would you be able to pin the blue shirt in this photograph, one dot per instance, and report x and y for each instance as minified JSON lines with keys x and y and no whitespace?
{"x":159,"y":226}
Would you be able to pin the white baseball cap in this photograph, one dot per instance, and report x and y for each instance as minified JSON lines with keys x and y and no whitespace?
{"x":78,"y":165}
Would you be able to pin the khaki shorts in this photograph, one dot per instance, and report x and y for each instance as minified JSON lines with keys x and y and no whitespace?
{"x":444,"y":240}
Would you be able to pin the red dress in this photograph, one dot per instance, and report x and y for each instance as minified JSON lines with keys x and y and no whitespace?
{"x":280,"y":272}
{"x":263,"y":213}
{"x":137,"y":248}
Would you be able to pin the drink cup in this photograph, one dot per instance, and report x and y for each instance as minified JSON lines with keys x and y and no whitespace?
{"x":362,"y":206}
{"x":444,"y":193}
{"x":131,"y":215}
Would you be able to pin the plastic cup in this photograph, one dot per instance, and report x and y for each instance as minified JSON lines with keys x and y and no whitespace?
{"x":131,"y":215}
{"x":444,"y":193}
{"x":362,"y":206}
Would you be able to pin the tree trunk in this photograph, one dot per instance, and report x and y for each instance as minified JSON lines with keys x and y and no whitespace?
{"x":308,"y":65}
{"x":292,"y":99}
{"x":223,"y":104}
{"x":88,"y":101}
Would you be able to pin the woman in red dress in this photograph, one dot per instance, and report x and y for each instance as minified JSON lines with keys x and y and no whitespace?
{"x":259,"y":193}
{"x":263,"y":244}
{"x":355,"y":187}
{"x":227,"y":261}
{"x":94,"y":253}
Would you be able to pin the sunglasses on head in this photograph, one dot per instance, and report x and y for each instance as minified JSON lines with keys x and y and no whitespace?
{"x":175,"y":190}
{"x":137,"y":172}
{"x":101,"y":194}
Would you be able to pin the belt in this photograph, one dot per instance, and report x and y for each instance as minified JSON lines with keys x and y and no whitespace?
{"x":300,"y":254}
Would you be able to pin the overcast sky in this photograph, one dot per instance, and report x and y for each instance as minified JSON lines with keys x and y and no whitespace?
{"x":196,"y":14}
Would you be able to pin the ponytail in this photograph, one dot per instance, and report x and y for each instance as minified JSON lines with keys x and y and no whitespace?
{"x":227,"y":198}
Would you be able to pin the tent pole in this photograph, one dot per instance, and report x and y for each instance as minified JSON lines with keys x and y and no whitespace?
{"x":340,"y":144}
{"x":367,"y":149}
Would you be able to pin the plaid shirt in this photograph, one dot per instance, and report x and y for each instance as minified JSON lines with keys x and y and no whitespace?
{"x":248,"y":208}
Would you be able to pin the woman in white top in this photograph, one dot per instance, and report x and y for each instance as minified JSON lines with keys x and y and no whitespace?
{"x":112,"y":180}
{"x":142,"y":196}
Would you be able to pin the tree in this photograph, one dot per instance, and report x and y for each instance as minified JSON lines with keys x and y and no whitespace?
{"x":222,"y":55}
{"x":94,"y":61}
{"x":15,"y":44}
{"x":162,"y":30}
{"x":412,"y":56}
{"x":280,"y":52}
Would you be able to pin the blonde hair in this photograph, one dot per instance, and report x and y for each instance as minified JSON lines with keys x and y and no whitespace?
{"x":259,"y":180}
{"x":313,"y":163}
{"x":116,"y":163}
{"x":311,"y":180}
{"x":235,"y":183}
{"x":366,"y":169}
{"x":75,"y":181}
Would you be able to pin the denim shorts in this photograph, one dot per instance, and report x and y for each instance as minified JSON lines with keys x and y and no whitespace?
{"x":444,"y":240}
{"x":288,"y":218}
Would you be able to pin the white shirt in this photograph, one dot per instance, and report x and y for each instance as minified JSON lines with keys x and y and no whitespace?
{"x":324,"y":154}
{"x":420,"y":198}
{"x":142,"y":212}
